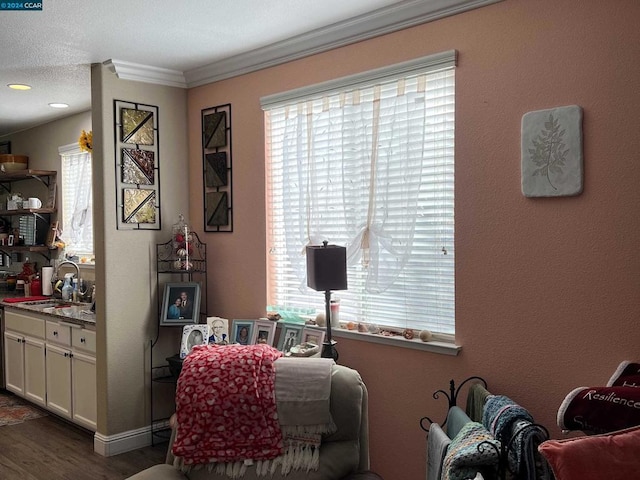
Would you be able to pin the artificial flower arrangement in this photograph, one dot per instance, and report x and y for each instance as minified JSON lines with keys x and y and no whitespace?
{"x":86,"y":141}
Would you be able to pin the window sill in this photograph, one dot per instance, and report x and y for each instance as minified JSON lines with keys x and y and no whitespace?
{"x":441,"y":345}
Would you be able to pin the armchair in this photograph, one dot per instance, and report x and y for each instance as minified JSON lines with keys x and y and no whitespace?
{"x":342,"y":453}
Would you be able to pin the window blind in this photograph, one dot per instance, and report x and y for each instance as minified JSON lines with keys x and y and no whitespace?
{"x":370,"y":167}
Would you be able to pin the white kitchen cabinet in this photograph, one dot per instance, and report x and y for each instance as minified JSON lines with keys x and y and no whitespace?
{"x":59,"y":380}
{"x":71,"y":372}
{"x":25,"y":357}
{"x":14,"y":363}
{"x":52,"y":363}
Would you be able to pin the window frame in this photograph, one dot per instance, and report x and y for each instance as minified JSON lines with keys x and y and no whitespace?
{"x":423,"y":65}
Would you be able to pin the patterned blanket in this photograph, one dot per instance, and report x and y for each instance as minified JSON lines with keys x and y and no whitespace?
{"x":225,"y":406}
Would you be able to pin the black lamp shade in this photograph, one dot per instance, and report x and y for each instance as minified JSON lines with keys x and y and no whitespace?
{"x":327,"y":267}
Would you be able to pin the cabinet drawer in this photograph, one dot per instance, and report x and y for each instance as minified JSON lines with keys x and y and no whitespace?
{"x":21,"y":323}
{"x":84,"y":339}
{"x":57,"y":333}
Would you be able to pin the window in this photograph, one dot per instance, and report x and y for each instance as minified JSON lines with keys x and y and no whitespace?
{"x":77,"y":201}
{"x":367,"y":162}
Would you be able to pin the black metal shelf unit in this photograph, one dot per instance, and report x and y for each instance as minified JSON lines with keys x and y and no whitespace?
{"x":171,"y":266}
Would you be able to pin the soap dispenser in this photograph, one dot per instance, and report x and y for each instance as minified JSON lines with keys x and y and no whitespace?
{"x":67,"y":288}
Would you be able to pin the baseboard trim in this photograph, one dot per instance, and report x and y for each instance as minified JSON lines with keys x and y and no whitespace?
{"x":109,"y":445}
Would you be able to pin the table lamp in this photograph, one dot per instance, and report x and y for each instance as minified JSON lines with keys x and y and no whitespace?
{"x":327,"y":270}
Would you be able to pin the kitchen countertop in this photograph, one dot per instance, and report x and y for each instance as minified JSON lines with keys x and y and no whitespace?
{"x":78,"y":313}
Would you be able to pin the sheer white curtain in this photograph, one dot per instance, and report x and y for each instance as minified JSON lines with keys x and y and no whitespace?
{"x":349,"y":201}
{"x":370,"y":168}
{"x":77,"y":200}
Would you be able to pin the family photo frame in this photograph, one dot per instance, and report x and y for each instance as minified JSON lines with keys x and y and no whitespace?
{"x":264,"y":332}
{"x":193,"y":335}
{"x":290,"y":336}
{"x":242,"y":331}
{"x":218,"y":330}
{"x":181,"y":304}
{"x":313,"y":335}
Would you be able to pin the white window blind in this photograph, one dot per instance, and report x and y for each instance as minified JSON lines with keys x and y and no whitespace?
{"x":77,"y":200}
{"x":369,"y":166}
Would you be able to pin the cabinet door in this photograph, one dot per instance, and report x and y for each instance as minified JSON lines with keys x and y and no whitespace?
{"x":83,"y":379}
{"x":14,"y":363}
{"x":35,"y":385}
{"x":59,"y":380}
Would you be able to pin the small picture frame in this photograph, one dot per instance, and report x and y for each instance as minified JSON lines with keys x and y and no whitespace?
{"x":290,"y":336}
{"x":218,"y":330}
{"x":242,"y":331}
{"x":193,"y":335}
{"x":313,"y":335}
{"x":264,"y":332}
{"x":181,"y":304}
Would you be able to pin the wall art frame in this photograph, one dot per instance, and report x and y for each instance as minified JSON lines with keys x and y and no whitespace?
{"x":552,"y":158}
{"x":217,"y":168}
{"x":137,"y":164}
{"x":5,"y":147}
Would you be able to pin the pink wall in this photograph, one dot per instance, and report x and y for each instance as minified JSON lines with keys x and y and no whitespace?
{"x":547,"y":289}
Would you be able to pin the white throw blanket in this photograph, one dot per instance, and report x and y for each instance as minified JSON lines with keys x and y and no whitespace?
{"x":303,"y":389}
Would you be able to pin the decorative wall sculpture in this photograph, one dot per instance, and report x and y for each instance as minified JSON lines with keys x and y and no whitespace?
{"x":137,"y":166}
{"x":216,"y":158}
{"x":552,"y":152}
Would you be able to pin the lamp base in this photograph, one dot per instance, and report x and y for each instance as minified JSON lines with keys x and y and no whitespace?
{"x":329,"y":350}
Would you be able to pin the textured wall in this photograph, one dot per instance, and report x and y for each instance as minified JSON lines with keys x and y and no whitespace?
{"x":547,"y":289}
{"x":125,"y":270}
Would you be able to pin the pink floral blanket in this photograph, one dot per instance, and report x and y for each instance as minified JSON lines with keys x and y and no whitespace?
{"x":225,"y":405}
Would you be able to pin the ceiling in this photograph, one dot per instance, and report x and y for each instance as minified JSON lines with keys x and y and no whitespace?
{"x":185,"y":44}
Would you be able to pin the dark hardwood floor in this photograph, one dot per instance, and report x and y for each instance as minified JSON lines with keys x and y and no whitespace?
{"x":48,"y":448}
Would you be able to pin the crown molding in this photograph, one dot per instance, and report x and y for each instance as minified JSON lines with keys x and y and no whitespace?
{"x":379,"y":22}
{"x":385,"y":20}
{"x":146,"y":73}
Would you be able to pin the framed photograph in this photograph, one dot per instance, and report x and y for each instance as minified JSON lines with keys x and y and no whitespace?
{"x":181,"y":304}
{"x":290,"y":336}
{"x":264,"y":332}
{"x":242,"y":331}
{"x":5,"y":147}
{"x":313,"y":335}
{"x":218,"y":330}
{"x":193,"y":335}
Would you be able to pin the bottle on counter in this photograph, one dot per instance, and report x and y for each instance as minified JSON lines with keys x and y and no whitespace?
{"x":67,"y":288}
{"x":36,"y":286}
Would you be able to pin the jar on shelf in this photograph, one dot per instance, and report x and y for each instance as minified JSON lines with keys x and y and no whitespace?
{"x":182,"y":247}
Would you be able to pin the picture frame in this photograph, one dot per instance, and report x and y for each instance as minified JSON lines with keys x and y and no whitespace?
{"x":290,"y":336}
{"x":5,"y":147}
{"x":218,"y":330}
{"x":313,"y":335}
{"x":238,"y":333}
{"x":264,"y":332}
{"x":193,"y":335}
{"x":180,"y":315}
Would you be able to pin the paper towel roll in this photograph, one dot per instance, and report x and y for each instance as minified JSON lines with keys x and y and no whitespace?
{"x":47,"y":275}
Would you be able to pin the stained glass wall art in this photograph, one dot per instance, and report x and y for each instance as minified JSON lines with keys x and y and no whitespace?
{"x":137,"y":165}
{"x":217,"y":165}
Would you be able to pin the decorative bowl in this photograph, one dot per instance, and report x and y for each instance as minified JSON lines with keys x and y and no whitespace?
{"x":11,"y":163}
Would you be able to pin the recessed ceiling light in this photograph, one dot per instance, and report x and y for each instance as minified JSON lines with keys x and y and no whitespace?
{"x":59,"y":105}
{"x":19,"y":86}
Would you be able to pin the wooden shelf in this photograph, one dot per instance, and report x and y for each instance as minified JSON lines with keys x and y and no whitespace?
{"x":26,"y":211}
{"x":25,"y":174}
